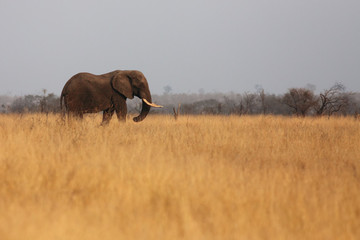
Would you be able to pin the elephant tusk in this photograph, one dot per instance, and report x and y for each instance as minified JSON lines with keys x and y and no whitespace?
{"x":152,"y":104}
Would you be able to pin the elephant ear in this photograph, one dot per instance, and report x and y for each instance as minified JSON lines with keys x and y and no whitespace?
{"x":121,"y":83}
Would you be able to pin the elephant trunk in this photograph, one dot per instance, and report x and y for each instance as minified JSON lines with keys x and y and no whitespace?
{"x":146,"y":104}
{"x":144,"y":112}
{"x":145,"y":107}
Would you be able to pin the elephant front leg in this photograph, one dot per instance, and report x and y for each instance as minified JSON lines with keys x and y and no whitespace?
{"x":121,"y":110}
{"x":107,"y":114}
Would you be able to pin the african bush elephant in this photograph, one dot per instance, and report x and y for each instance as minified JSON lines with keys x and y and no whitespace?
{"x":89,"y":93}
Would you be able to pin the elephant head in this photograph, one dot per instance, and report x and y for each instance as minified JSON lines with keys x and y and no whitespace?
{"x":134,"y":83}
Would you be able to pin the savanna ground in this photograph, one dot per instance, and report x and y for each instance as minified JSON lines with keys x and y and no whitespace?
{"x":205,"y":177}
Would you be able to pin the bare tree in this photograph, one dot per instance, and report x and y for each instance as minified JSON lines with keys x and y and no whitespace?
{"x":248,"y":102}
{"x":177,"y":112}
{"x":167,"y":89}
{"x":262,"y":95}
{"x":4,"y":108}
{"x":42,"y":102}
{"x":300,"y":100}
{"x":332,"y":100}
{"x":261,"y":98}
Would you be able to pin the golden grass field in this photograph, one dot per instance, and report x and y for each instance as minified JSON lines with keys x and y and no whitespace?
{"x":201,"y":177}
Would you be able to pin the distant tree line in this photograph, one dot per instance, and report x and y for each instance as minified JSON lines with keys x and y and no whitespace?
{"x":45,"y":103}
{"x":296,"y":101}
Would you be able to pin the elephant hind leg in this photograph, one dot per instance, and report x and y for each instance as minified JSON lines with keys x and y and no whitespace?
{"x":107,"y":114}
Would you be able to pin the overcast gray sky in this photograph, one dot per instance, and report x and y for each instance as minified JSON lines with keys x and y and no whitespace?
{"x":189,"y":45}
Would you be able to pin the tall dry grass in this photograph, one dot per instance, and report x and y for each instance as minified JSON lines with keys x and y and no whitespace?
{"x":207,"y":177}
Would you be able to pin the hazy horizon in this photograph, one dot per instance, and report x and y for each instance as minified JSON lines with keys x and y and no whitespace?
{"x":191,"y":46}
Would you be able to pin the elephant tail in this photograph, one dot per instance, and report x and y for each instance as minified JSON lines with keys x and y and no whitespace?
{"x":62,"y":108}
{"x":61,"y":101}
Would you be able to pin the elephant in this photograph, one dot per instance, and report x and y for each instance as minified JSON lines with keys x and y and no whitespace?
{"x":89,"y":93}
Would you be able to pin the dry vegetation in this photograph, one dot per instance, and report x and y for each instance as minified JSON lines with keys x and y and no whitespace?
{"x":196,"y":178}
